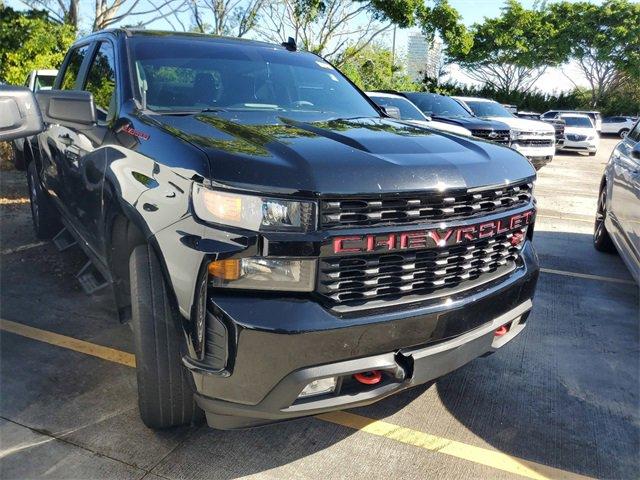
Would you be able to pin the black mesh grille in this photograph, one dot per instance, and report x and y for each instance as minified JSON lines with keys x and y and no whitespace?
{"x":536,"y":142}
{"x":361,"y":278}
{"x":420,"y":208}
{"x":498,"y":136}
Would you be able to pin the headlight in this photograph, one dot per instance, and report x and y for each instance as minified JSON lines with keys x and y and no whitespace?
{"x":297,"y":275}
{"x":252,"y":212}
{"x":590,"y":137}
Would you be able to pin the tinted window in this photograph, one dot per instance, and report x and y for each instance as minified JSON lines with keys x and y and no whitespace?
{"x":73,"y":68}
{"x":433,"y":104}
{"x":101,"y":82}
{"x":635,"y":133}
{"x":44,"y":82}
{"x":550,"y":114}
{"x":189,"y":74}
{"x":408,"y":111}
{"x":488,"y":109}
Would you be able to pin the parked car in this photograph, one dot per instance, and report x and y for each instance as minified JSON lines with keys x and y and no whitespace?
{"x":446,"y":109}
{"x":280,"y":246}
{"x":534,"y":139}
{"x":617,"y":125}
{"x":617,"y":225}
{"x":408,"y":112}
{"x":23,"y":147}
{"x":580,"y":133}
{"x":557,"y":123}
{"x":594,"y":115}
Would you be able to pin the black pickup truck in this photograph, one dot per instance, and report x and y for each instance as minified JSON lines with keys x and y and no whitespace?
{"x":279,"y":244}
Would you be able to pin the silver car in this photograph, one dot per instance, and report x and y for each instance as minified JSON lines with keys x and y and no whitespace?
{"x":617,"y":224}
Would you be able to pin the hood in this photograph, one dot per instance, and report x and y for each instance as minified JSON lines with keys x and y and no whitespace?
{"x":442,"y":126}
{"x":580,"y":130}
{"x":472,"y":123}
{"x":370,"y":155}
{"x":524,"y":124}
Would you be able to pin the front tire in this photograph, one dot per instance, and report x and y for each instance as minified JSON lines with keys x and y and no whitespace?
{"x":165,"y":392}
{"x":601,"y":238}
{"x":45,"y":216}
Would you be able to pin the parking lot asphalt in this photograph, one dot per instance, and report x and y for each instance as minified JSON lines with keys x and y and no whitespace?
{"x":561,"y":401}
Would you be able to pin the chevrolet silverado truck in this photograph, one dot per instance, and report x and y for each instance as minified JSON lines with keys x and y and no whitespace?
{"x":279,"y":245}
{"x":534,"y":139}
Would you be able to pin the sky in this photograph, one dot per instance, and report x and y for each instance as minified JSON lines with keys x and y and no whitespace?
{"x":472,"y":11}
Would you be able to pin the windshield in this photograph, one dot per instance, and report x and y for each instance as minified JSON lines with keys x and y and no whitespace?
{"x":582,"y":122}
{"x":488,"y":109}
{"x":433,"y":104}
{"x":408,"y":111}
{"x":193,"y":74}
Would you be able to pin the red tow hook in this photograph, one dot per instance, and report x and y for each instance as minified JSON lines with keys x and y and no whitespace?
{"x":369,"y":378}
{"x":500,"y":331}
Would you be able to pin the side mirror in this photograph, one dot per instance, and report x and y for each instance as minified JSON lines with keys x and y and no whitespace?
{"x":635,"y":151}
{"x":19,"y":113}
{"x":393,"y":112}
{"x":71,"y":108}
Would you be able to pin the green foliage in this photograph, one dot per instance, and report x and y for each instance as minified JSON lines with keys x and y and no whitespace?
{"x":623,"y":101}
{"x":29,"y":41}
{"x":607,"y":33}
{"x":519,"y":36}
{"x":372,"y":69}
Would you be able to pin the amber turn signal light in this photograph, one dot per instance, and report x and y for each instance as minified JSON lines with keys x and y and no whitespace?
{"x":225,"y":269}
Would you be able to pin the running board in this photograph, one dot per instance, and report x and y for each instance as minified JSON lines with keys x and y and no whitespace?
{"x":64,"y":240}
{"x":90,"y":278}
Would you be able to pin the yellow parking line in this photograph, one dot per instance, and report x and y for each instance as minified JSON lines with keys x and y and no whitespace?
{"x":106,"y":353}
{"x":21,"y":248}
{"x":588,"y":276}
{"x":13,"y":201}
{"x":483,"y":456}
{"x":573,"y":219}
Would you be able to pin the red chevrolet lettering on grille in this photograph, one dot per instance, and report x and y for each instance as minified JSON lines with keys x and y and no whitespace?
{"x":431,"y":238}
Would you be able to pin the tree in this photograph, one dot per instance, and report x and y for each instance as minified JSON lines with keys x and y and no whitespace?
{"x":323,"y":27}
{"x":511,"y":52}
{"x":604,"y":40}
{"x":107,"y":13}
{"x":30,"y":40}
{"x":226,"y":17}
{"x":372,"y":68}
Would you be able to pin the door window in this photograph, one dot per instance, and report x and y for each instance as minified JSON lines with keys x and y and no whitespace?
{"x":101,"y":82}
{"x":73,"y":68}
{"x":635,"y":133}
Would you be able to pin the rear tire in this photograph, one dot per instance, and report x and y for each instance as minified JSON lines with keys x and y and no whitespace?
{"x":45,"y":216}
{"x":623,"y":133}
{"x":165,"y":391}
{"x":601,"y":238}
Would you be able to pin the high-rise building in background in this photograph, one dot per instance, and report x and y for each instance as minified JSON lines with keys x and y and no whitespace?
{"x":423,"y":57}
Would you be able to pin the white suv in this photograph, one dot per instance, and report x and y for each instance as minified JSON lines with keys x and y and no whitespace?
{"x":617,"y":125}
{"x":532,"y":138}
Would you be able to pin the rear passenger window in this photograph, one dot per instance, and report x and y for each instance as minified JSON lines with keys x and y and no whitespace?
{"x":101,"y":82}
{"x":73,"y":68}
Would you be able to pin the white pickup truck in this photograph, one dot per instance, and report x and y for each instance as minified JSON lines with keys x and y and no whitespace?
{"x":532,"y":138}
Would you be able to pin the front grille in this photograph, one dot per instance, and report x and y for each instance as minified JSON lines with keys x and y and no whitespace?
{"x":576,"y":138}
{"x":358,"y":279}
{"x":420,"y":208}
{"x":498,"y":136}
{"x":536,"y":142}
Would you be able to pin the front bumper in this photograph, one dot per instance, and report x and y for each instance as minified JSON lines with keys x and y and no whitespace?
{"x":535,"y":151}
{"x":583,"y":146}
{"x":276,"y":346}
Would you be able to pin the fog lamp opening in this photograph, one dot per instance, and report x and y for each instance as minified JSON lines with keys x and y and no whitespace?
{"x":319,"y":387}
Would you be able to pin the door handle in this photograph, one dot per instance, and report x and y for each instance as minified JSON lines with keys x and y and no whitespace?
{"x":65,"y":139}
